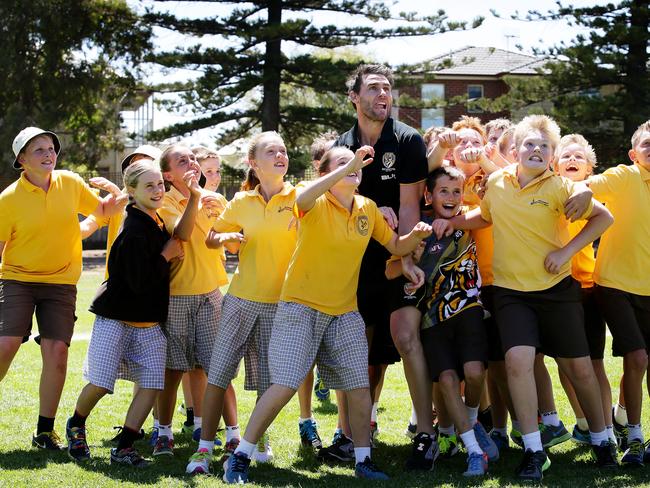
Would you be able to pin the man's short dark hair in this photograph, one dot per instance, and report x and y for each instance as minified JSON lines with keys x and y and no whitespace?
{"x":355,"y":79}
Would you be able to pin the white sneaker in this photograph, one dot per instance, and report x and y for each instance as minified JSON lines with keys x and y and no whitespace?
{"x":263,"y":453}
{"x":199,"y":462}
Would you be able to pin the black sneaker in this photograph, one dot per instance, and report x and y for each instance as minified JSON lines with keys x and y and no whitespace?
{"x":47,"y":440}
{"x":634,"y":454}
{"x":620,"y":431}
{"x":128,"y":456}
{"x":369,"y":470}
{"x":77,"y":446}
{"x":116,"y":440}
{"x":605,"y":454}
{"x":485,"y":418}
{"x":424,"y":452}
{"x":342,"y":449}
{"x":533,"y":465}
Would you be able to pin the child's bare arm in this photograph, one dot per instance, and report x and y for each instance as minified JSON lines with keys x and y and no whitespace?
{"x":403,"y":245}
{"x":597,"y":223}
{"x":469,"y":221}
{"x":393,"y":269}
{"x":447,"y":140}
{"x":88,"y":227}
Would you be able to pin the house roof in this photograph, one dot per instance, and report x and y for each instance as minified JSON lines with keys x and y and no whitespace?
{"x":484,"y":61}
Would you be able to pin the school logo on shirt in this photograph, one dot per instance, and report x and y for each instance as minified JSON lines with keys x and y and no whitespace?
{"x":285,"y":209}
{"x":539,"y":202}
{"x":388,"y":160}
{"x":362,"y":225}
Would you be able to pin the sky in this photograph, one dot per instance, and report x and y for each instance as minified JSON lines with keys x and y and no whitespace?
{"x":502,"y":32}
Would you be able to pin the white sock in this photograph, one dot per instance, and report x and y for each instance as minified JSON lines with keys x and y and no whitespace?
{"x":598,"y":437}
{"x":533,"y":441}
{"x":451,"y":430}
{"x":232,"y":432}
{"x":165,"y":430}
{"x":551,"y":418}
{"x":373,"y":414}
{"x":582,"y":423}
{"x":516,"y":425}
{"x":610,"y":433}
{"x":634,"y":432}
{"x":469,"y":439}
{"x":620,"y":414}
{"x":301,"y":420}
{"x":472,"y":412}
{"x":209,"y":445}
{"x":198,"y":421}
{"x":414,"y":417}
{"x":361,"y":453}
{"x":156,"y":424}
{"x":246,"y":447}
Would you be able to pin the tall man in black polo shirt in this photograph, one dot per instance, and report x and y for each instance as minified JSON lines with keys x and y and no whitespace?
{"x":395,"y":181}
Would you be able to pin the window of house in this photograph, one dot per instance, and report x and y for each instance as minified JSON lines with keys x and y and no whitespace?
{"x":474,"y":92}
{"x":432,"y":117}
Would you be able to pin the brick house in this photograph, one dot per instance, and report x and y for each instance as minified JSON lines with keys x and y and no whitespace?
{"x":475,"y":72}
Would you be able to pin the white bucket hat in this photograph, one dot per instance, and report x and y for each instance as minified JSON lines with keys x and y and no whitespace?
{"x":26,"y":135}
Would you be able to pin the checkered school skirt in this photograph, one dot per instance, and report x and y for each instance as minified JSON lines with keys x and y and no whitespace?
{"x":120,"y":351}
{"x":302,"y":335}
{"x":191,"y":329}
{"x":244,"y":331}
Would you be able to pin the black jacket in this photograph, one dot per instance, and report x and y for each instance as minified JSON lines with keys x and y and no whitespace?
{"x":137,"y":289}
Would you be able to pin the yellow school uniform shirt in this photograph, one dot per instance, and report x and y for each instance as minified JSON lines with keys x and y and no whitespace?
{"x":482,"y":237}
{"x":264,"y":257}
{"x":583,"y":263}
{"x":114,"y":224}
{"x":41,"y":229}
{"x":623,"y":259}
{"x":324,"y":270}
{"x":201,"y":270}
{"x":527,"y":224}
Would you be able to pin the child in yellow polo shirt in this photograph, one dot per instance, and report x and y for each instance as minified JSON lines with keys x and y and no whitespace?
{"x":317,"y":318}
{"x":576,"y":159}
{"x":537,"y":302}
{"x":256,"y":223}
{"x":195,"y":300}
{"x":621,"y":276}
{"x":40,"y":245}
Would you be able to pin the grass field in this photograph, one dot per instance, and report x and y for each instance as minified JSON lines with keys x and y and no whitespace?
{"x":22,"y":466}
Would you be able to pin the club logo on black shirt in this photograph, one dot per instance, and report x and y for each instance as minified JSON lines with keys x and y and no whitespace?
{"x":388,"y":160}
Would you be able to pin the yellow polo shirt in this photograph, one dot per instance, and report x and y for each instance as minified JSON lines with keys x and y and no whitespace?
{"x":583,"y":263}
{"x":482,"y":237}
{"x":264,"y":257}
{"x":623,"y":260}
{"x":528,"y":224}
{"x":41,"y":229}
{"x":201,"y":270}
{"x":324,"y":270}
{"x":114,"y":224}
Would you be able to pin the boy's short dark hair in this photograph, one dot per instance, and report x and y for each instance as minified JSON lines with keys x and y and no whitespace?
{"x":449,"y":171}
{"x":356,"y":78}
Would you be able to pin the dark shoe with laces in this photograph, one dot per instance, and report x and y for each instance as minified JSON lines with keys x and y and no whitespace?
{"x":77,"y":446}
{"x":605,"y":454}
{"x":533,"y":465}
{"x":128,"y":456}
{"x":369,"y":470}
{"x":119,"y":428}
{"x":620,"y":431}
{"x":424,"y":452}
{"x":552,"y":435}
{"x":342,"y":449}
{"x":634,"y":454}
{"x":236,"y":468}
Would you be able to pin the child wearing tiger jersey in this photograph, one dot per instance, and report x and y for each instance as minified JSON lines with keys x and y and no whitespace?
{"x":318,"y":318}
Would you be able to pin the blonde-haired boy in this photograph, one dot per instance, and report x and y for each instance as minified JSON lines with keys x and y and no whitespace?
{"x":623,"y":288}
{"x":537,"y":302}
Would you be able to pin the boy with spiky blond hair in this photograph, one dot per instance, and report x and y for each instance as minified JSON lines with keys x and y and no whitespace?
{"x":537,"y":302}
{"x":622,"y":285}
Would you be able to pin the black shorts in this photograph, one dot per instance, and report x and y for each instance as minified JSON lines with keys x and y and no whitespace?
{"x":400,"y":296}
{"x":551,"y":321}
{"x":594,"y":324}
{"x":454,"y":342}
{"x":373,"y":300}
{"x":495,"y":349}
{"x":628,"y":318}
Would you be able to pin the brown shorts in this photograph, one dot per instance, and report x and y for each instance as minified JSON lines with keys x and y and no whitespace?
{"x":53,"y":304}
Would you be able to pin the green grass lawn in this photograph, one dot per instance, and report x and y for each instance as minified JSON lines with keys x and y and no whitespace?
{"x":22,"y":466}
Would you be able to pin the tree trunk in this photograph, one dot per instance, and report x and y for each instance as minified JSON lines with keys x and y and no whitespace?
{"x":272,"y":69}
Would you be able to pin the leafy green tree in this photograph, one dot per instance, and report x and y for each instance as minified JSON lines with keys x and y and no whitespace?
{"x":246,"y":78}
{"x":68,"y":65}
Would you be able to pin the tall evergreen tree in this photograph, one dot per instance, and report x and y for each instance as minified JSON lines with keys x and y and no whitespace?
{"x":599,"y":83}
{"x":66,"y":66}
{"x":242,"y":79}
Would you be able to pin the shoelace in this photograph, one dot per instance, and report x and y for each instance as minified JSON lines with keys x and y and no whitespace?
{"x":238,"y":464}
